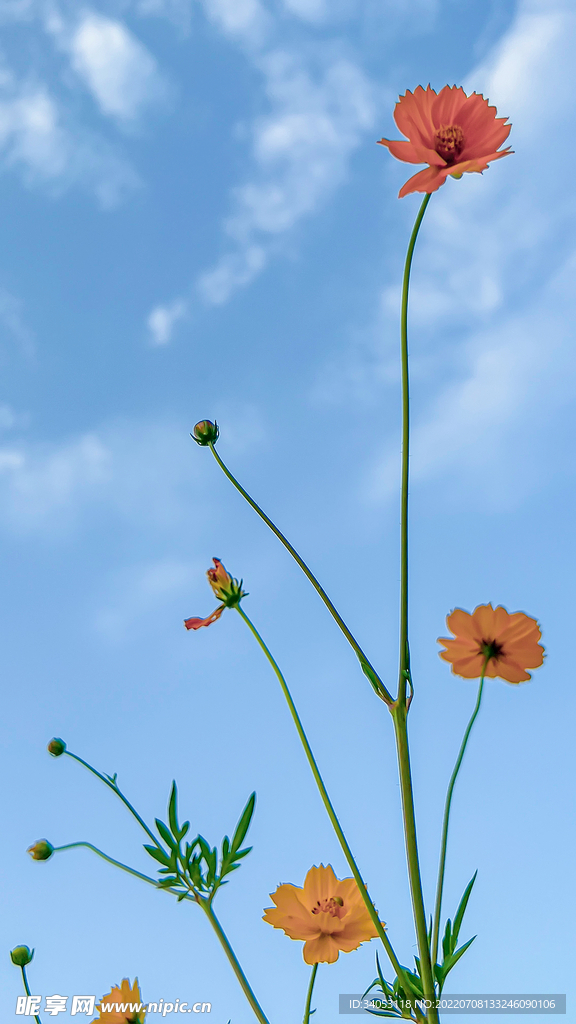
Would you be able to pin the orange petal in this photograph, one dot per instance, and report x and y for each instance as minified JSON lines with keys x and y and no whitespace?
{"x":461,"y":624}
{"x":323,"y":950}
{"x":428,"y":180}
{"x":195,"y":623}
{"x":445,"y":108}
{"x":509,"y":670}
{"x":413,"y":115}
{"x":412,"y":153}
{"x":320,"y":884}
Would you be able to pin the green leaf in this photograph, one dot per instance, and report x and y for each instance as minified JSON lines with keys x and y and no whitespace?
{"x":243,"y":825}
{"x":173,"y":811}
{"x":461,"y":910}
{"x":452,"y":960}
{"x":158,"y":855}
{"x":165,"y":833}
{"x":447,"y":946}
{"x":164,"y":882}
{"x":371,"y":675}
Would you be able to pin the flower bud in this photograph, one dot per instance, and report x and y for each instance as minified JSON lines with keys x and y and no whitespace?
{"x":21,"y":955}
{"x":41,"y":850}
{"x":205,"y":432}
{"x":225,"y":587}
{"x":56,"y":747}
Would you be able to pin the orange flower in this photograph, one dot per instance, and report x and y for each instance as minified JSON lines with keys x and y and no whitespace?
{"x":509,"y":641}
{"x":122,"y":1005}
{"x":226,"y":588}
{"x":449,"y":131}
{"x":330,"y":915}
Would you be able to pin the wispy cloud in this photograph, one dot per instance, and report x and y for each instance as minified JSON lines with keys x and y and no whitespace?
{"x":118,"y":70}
{"x":300,"y":152}
{"x":162,"y":320}
{"x":35,"y":137}
{"x":12,"y":320}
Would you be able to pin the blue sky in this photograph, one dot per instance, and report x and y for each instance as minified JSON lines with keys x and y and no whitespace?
{"x":197,"y":222}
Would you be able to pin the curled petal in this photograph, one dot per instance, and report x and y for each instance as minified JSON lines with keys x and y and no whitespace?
{"x":195,"y":623}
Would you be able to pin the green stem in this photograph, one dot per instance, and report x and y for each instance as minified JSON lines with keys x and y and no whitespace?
{"x":116,"y":863}
{"x":27,"y":990}
{"x":404,"y":649}
{"x":113,"y":786}
{"x":371,"y":673}
{"x":205,"y":904}
{"x":328,"y":804}
{"x":401,"y":732}
{"x":258,"y":1011}
{"x":442,"y":864}
{"x":306,"y":1019}
{"x":400,"y":708}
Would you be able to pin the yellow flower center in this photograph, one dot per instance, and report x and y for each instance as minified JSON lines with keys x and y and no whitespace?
{"x":333,"y":906}
{"x":449,"y":142}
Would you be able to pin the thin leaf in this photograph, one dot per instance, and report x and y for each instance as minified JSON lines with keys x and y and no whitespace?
{"x":173,"y":811}
{"x":158,"y":855}
{"x":243,"y":825}
{"x":461,"y":910}
{"x":447,"y":946}
{"x":452,"y":960}
{"x":165,"y":833}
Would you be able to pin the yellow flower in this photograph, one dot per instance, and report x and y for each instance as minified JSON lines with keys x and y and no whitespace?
{"x":123,"y":1005}
{"x":329,"y":914}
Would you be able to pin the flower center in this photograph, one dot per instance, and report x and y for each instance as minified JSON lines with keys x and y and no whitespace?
{"x":449,"y":142}
{"x":491,"y":649}
{"x":333,"y":906}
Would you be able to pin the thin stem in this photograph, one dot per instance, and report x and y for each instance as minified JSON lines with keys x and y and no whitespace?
{"x":116,"y":863}
{"x":27,"y":990}
{"x":404,"y":649}
{"x":306,"y":1019}
{"x":113,"y":786}
{"x":328,"y":804}
{"x":454,"y":776}
{"x":371,"y":673}
{"x":258,"y":1011}
{"x":401,"y":732}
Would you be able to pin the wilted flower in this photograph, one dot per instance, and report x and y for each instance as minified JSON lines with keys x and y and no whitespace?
{"x":21,"y":955}
{"x":56,"y":747}
{"x":451,"y":132}
{"x":508,"y":641}
{"x":226,"y":588}
{"x":129,"y":998}
{"x":205,"y":432}
{"x":41,"y":850}
{"x":330,"y":915}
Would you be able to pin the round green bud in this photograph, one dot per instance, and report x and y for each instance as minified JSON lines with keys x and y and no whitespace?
{"x":21,"y":955}
{"x":56,"y":747}
{"x":205,"y":432}
{"x":42,"y":850}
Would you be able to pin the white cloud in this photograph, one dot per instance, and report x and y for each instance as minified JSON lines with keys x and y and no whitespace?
{"x":35,"y":137}
{"x":143,"y":472}
{"x":136,"y":591}
{"x":162,"y":320}
{"x":12,"y":321}
{"x":244,"y":20}
{"x":301,"y":150}
{"x":117,"y":69}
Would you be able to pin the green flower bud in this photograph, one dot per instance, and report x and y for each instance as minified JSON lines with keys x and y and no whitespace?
{"x":56,"y":747}
{"x":21,"y":955}
{"x":205,"y":432}
{"x":42,"y":850}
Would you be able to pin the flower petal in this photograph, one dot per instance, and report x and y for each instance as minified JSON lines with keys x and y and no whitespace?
{"x":413,"y":115}
{"x":412,"y":153}
{"x":428,"y":180}
{"x":445,"y":108}
{"x":323,"y":950}
{"x":195,"y":623}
